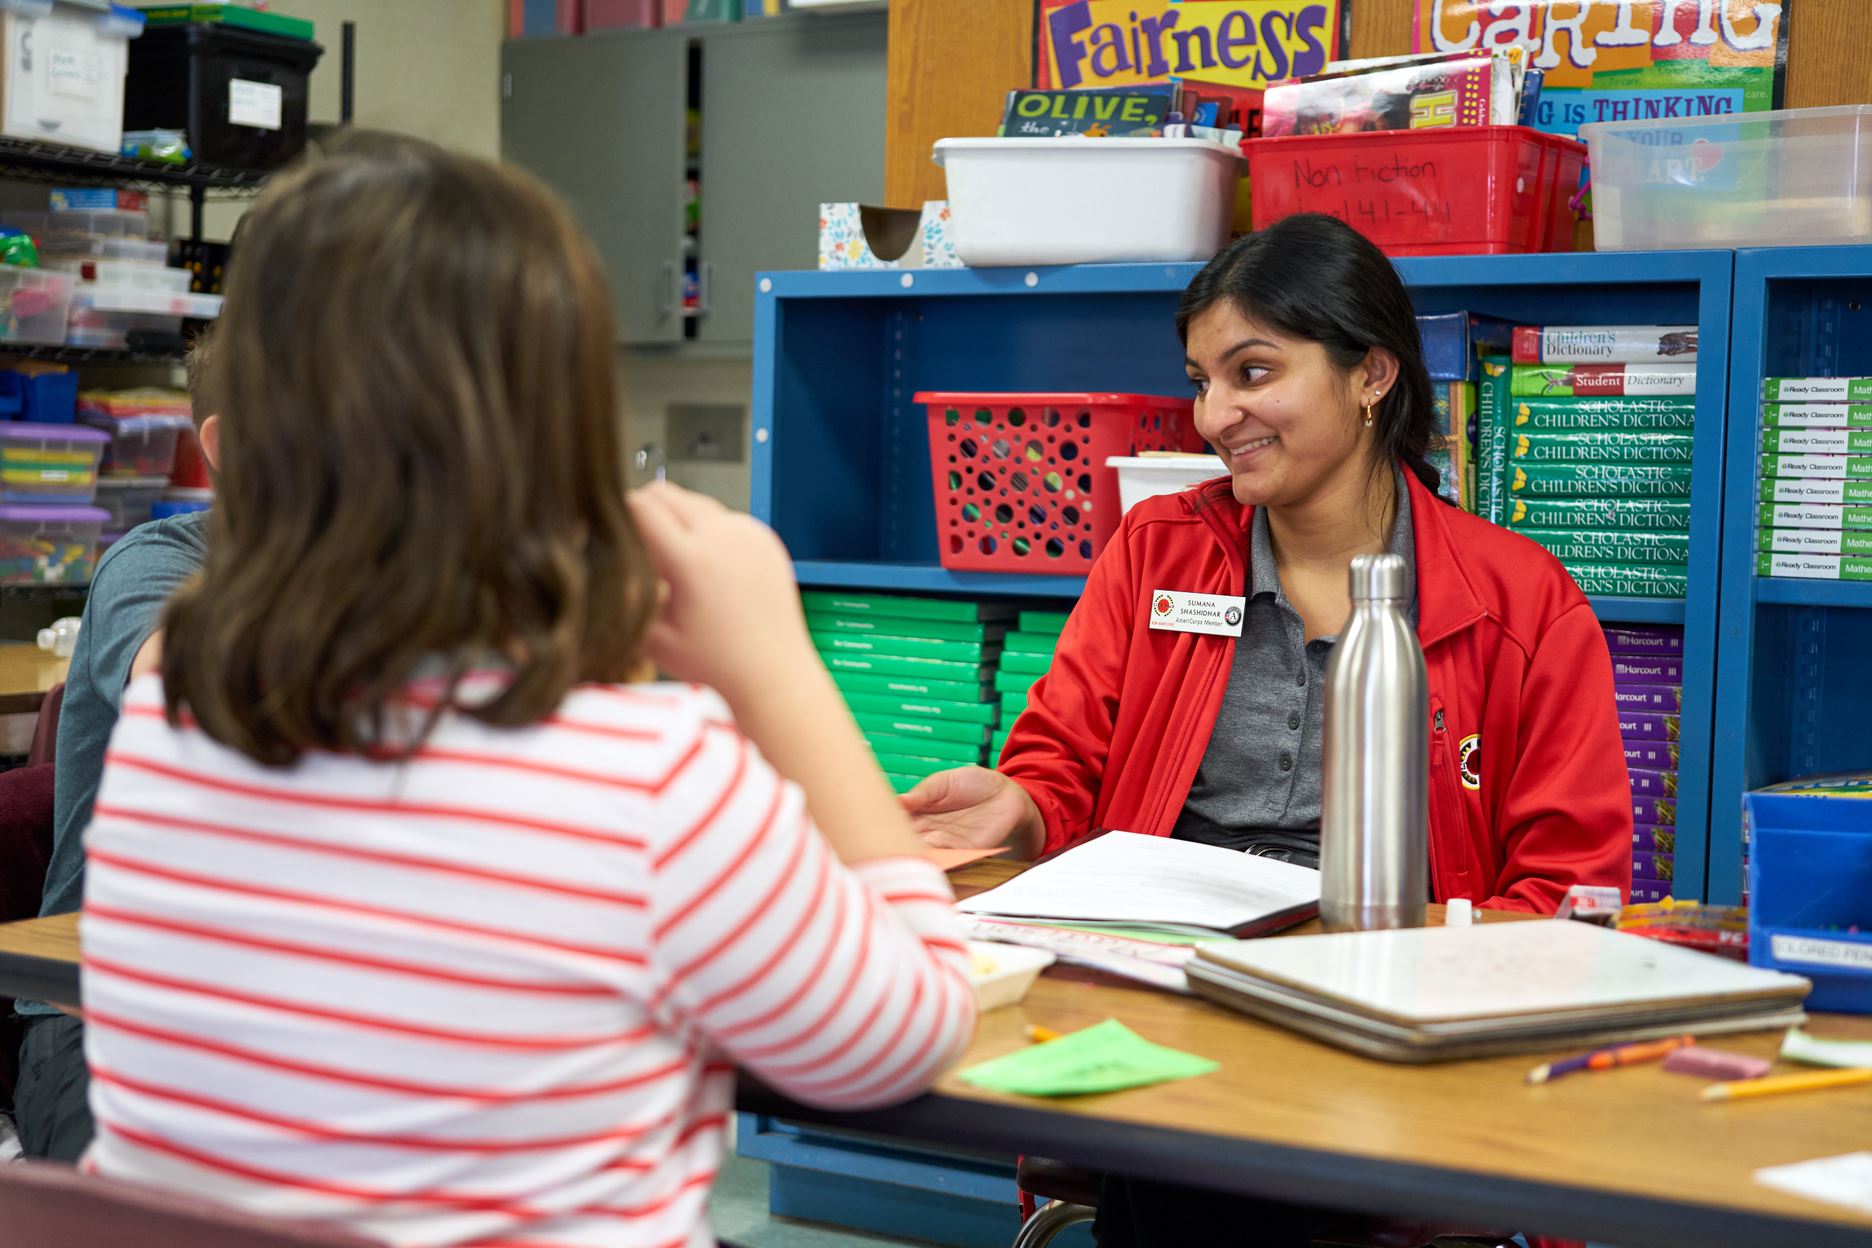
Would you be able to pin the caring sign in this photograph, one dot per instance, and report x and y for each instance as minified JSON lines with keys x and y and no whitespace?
{"x":1626,"y":60}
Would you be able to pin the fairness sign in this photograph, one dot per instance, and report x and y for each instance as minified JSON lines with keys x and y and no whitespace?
{"x":1225,"y":43}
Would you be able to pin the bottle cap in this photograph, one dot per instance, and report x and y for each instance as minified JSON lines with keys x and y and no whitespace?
{"x":1380,"y":576}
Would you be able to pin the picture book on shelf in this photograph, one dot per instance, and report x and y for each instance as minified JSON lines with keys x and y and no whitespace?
{"x":1138,"y":112}
{"x":1427,"y":93}
{"x":1604,"y":344}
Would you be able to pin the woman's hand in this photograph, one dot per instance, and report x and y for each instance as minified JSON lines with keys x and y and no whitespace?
{"x":974,"y":808}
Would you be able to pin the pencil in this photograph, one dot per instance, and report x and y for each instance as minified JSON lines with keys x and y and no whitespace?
{"x":1746,"y":1088}
{"x":1606,"y":1059}
{"x":1040,"y":1035}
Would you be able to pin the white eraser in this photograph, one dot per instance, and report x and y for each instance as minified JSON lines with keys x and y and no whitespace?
{"x":1458,"y":912}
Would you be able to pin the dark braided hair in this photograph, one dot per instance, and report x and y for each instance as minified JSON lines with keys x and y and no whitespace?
{"x":1315,"y":278}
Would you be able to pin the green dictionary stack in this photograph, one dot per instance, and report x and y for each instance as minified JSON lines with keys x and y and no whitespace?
{"x":1024,"y":659}
{"x":917,"y":674}
{"x":1814,"y":519}
{"x":1596,"y":470}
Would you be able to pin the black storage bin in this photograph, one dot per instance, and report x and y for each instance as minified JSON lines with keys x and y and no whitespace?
{"x":185,"y":78}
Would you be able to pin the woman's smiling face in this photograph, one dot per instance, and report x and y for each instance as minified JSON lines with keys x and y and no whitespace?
{"x":1285,"y":420}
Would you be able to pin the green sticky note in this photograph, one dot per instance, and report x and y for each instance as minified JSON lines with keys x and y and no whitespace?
{"x":1104,"y":1058}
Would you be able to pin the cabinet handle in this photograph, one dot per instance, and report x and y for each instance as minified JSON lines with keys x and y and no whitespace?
{"x":666,"y":288}
{"x":705,"y":299}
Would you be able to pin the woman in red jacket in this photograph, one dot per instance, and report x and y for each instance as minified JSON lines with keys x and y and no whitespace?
{"x":1302,"y":346}
{"x":1303,"y":349}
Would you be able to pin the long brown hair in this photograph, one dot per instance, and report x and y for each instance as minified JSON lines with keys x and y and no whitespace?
{"x":420,"y":458}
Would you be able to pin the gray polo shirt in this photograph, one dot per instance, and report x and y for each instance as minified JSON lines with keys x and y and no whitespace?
{"x":1258,"y":787}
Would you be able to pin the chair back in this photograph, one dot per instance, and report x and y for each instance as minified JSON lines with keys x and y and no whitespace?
{"x":53,"y":1206}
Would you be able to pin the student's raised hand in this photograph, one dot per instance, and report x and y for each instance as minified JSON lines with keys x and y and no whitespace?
{"x":975,"y":808}
{"x":730,"y":616}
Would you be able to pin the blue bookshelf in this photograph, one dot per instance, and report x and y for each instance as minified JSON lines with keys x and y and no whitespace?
{"x":841,"y":457}
{"x":1794,"y":677}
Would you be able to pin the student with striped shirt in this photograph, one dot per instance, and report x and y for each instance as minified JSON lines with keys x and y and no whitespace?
{"x":405,"y":912}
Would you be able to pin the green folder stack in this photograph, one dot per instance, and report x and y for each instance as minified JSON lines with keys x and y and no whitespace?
{"x":1027,"y":655}
{"x":916,"y":673}
{"x":1815,"y":517}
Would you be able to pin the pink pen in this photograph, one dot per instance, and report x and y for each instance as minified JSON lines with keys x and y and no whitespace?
{"x":1716,"y":1064}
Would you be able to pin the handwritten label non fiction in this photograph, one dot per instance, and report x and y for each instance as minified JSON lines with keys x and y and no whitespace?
{"x":74,"y":72}
{"x":257,"y":105}
{"x":1375,"y":189}
{"x":1811,"y":951}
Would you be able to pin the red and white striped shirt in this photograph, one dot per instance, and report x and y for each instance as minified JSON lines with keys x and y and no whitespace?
{"x":490,"y":996}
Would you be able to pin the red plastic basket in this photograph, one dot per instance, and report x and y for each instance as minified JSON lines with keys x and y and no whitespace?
{"x":1476,"y":190}
{"x":1020,"y":479}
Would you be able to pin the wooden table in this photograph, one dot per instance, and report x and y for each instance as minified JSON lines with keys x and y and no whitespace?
{"x":1630,"y":1157}
{"x":26,"y":673}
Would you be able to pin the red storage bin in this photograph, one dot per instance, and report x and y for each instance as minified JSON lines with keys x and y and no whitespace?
{"x":1478,"y":190}
{"x":1020,"y":479}
{"x":191,"y":470}
{"x":622,"y":14}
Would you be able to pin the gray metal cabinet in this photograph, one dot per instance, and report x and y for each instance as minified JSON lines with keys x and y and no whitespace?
{"x":792,"y":116}
{"x":601,"y":119}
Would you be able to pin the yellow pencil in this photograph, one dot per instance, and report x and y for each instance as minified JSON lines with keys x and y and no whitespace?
{"x":1040,"y":1035}
{"x":1742,"y":1089}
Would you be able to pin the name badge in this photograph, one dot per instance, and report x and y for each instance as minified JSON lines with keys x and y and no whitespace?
{"x":1179,"y":612}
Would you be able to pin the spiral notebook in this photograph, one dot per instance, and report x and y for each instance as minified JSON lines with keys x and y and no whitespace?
{"x":1433,"y":993}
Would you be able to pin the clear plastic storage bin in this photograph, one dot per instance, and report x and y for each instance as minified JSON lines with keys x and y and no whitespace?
{"x":134,"y":274}
{"x":106,"y":316}
{"x":48,"y":545}
{"x":144,"y":427}
{"x":98,"y":222}
{"x":129,"y":499}
{"x":34,"y":304}
{"x":1797,"y":176}
{"x":49,"y":463}
{"x":70,"y":250}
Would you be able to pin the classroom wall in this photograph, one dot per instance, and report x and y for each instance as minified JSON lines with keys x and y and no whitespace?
{"x":431,"y":68}
{"x":424,"y":67}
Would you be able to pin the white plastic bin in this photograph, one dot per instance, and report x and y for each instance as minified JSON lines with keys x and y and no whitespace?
{"x":65,"y":67}
{"x":1146,"y":476}
{"x":1089,"y":201}
{"x":1797,"y":176}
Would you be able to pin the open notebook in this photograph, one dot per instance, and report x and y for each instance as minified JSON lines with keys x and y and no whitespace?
{"x":1154,"y":881}
{"x":1139,"y":906}
{"x":1431,"y":993}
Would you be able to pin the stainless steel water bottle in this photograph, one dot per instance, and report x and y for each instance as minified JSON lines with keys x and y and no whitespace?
{"x":1374,"y":805}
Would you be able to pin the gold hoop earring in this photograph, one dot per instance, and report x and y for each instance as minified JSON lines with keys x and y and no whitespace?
{"x":1369,"y":404}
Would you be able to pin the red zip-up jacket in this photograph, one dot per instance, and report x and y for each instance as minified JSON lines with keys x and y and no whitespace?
{"x":1528,"y":789}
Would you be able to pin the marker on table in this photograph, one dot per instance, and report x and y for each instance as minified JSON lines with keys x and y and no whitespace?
{"x":1606,"y":1059}
{"x":1814,"y":1082}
